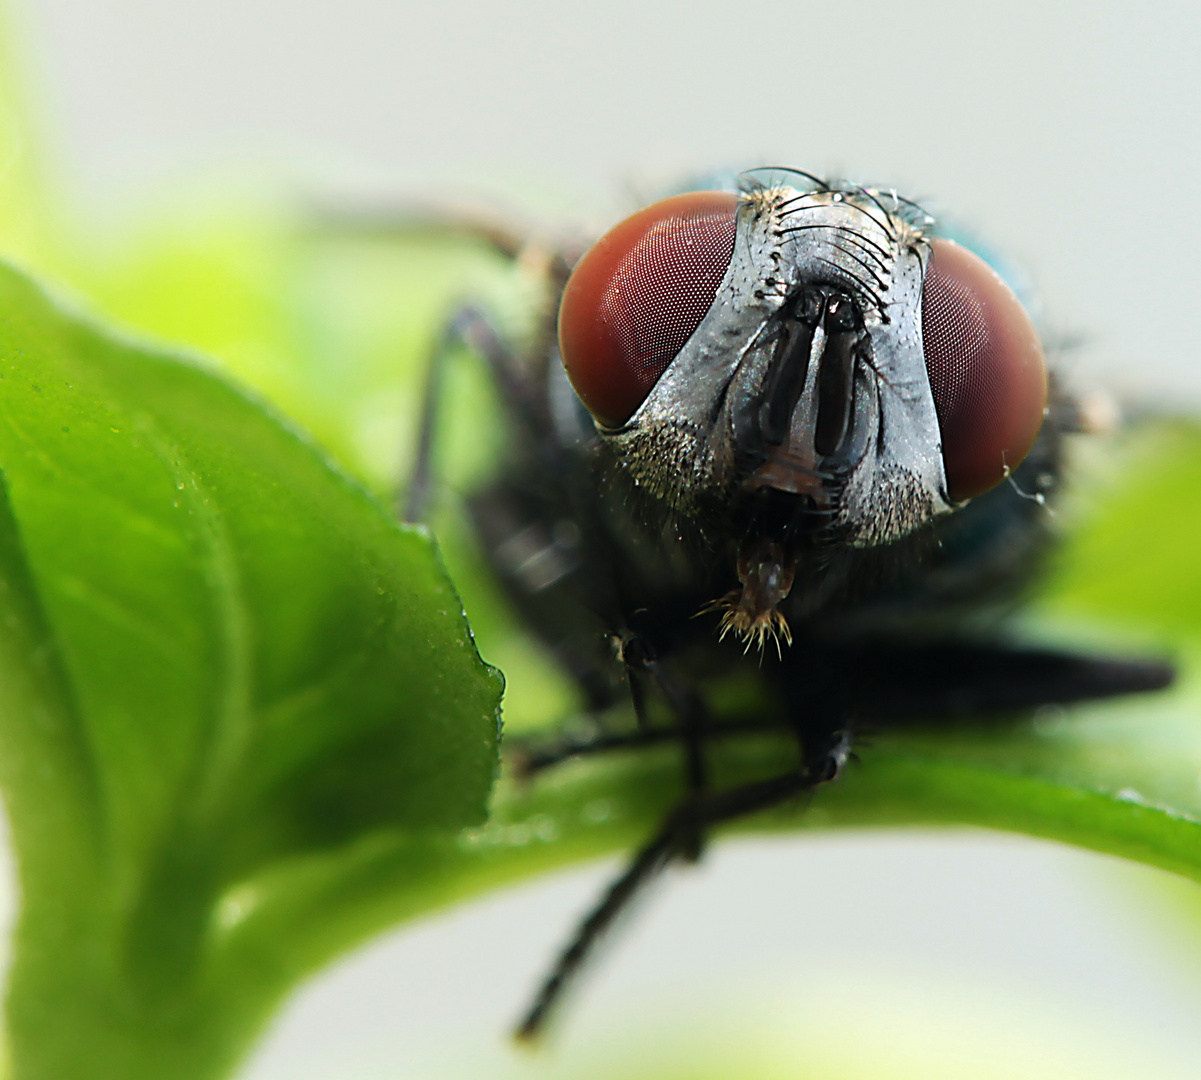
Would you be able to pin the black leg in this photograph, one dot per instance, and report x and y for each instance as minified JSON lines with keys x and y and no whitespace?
{"x":892,"y":688}
{"x":686,"y":703}
{"x":467,"y":327}
{"x":677,"y":836}
{"x":690,"y":711}
{"x":635,"y":654}
{"x":683,"y":701}
{"x":533,"y":755}
{"x":638,"y":698}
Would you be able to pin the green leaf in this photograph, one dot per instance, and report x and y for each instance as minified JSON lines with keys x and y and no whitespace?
{"x":220,"y":657}
{"x":336,"y":329}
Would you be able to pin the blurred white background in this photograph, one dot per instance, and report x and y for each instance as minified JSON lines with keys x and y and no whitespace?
{"x":1068,"y":133}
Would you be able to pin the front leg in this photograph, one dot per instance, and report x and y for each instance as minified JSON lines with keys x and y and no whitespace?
{"x":822,"y":761}
{"x":467,"y":327}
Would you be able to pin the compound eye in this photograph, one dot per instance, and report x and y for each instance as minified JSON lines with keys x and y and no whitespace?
{"x":986,"y":368}
{"x":639,"y":294}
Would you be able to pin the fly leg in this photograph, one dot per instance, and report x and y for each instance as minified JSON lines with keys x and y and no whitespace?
{"x":684,"y":701}
{"x":688,"y":706}
{"x":692,"y":728}
{"x":822,"y":762}
{"x":527,"y":521}
{"x":537,"y":756}
{"x":644,"y":671}
{"x":467,"y":327}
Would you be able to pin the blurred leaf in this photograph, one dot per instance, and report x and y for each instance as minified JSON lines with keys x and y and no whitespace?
{"x":220,"y":657}
{"x":336,"y":327}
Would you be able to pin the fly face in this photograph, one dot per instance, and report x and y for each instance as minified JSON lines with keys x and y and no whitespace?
{"x":792,"y":370}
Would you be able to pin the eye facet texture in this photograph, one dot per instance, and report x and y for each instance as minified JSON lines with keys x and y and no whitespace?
{"x":986,"y":368}
{"x":639,"y":294}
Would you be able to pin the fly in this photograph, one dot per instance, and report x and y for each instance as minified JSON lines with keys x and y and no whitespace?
{"x":789,"y":429}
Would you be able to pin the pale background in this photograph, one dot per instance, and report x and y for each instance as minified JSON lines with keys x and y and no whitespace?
{"x":1066,"y":132}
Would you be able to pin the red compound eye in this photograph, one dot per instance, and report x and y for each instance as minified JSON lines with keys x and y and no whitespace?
{"x":986,"y":369}
{"x":637,"y":296}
